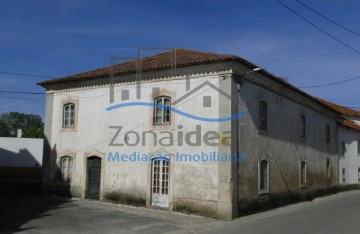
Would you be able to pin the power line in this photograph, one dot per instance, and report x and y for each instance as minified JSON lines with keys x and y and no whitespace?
{"x":329,"y":84}
{"x":21,"y":74}
{"x":317,"y":27}
{"x":327,"y":18}
{"x":19,"y":92}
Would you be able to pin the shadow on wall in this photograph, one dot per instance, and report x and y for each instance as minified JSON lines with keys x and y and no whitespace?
{"x":21,"y":196}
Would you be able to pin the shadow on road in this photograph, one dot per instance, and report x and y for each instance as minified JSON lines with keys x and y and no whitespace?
{"x":22,"y":201}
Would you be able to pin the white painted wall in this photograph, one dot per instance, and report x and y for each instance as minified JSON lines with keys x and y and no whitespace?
{"x":350,"y":160}
{"x":195,"y":181}
{"x":21,"y":152}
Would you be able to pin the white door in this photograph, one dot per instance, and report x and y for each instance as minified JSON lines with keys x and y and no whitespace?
{"x":160,"y":183}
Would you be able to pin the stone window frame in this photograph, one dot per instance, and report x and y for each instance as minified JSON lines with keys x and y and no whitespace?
{"x":172,"y":96}
{"x":163,"y":98}
{"x":76,"y":114}
{"x":266,"y":189}
{"x":302,"y":177}
{"x":66,"y":180}
{"x":69,"y":154}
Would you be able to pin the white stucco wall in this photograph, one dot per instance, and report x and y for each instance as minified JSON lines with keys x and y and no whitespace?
{"x":193,"y":181}
{"x":21,"y":152}
{"x":350,"y":161}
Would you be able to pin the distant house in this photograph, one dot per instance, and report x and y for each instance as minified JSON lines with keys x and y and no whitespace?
{"x":348,"y":144}
{"x":287,"y":140}
{"x":21,"y":158}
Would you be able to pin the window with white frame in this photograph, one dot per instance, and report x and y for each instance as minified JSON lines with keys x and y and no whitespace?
{"x":303,"y":172}
{"x":263,"y":116}
{"x":264,"y":175}
{"x":161,"y":112}
{"x":69,"y":115}
{"x":66,"y":169}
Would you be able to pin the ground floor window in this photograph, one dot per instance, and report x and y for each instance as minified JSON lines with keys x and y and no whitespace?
{"x":66,"y":168}
{"x":359,"y":174}
{"x":328,"y":168}
{"x":303,"y":172}
{"x":343,"y":174}
{"x":264,"y":175}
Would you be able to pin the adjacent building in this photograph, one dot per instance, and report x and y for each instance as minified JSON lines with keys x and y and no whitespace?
{"x":348,"y":144}
{"x":190,"y":131}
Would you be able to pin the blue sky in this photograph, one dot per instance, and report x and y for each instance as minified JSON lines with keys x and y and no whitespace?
{"x":59,"y":38}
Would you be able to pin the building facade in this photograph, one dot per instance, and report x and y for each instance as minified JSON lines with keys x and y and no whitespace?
{"x":215,"y":137}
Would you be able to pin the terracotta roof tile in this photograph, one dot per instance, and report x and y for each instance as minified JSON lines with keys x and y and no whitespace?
{"x":351,"y":124}
{"x":342,"y":109}
{"x":162,"y":61}
{"x":184,"y":58}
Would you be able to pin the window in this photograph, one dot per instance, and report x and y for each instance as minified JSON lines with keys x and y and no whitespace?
{"x":263,"y":116}
{"x":327,"y":132}
{"x":161,"y":112}
{"x":264,"y":177}
{"x":358,"y":146}
{"x":359,"y":174}
{"x":69,"y":115}
{"x":302,"y":126}
{"x":303,"y":172}
{"x":343,"y":148}
{"x":328,"y":168}
{"x":66,"y":168}
{"x":343,"y":174}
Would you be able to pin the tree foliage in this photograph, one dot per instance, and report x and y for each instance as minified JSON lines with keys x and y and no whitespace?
{"x":31,"y":125}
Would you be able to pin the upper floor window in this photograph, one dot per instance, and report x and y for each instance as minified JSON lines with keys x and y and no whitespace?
{"x":263,"y":116}
{"x":327,"y":132}
{"x":343,"y":148}
{"x":66,"y":168}
{"x":264,"y":175}
{"x":302,"y":126}
{"x":161,"y":113}
{"x":69,"y":115}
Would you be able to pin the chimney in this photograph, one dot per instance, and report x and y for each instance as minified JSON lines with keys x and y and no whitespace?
{"x":19,"y":133}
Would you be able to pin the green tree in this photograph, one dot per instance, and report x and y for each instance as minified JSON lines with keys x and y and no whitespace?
{"x":31,"y":125}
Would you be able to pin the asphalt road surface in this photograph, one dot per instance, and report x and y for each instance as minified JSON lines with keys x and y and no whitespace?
{"x":338,"y":213}
{"x":34,"y":213}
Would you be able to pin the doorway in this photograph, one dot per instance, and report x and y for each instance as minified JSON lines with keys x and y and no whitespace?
{"x":160,"y":182}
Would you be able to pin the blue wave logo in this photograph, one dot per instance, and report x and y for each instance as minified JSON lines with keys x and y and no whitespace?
{"x":148,"y":104}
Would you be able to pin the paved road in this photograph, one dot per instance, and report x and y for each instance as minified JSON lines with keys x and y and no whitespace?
{"x":33,"y":213}
{"x":338,"y":213}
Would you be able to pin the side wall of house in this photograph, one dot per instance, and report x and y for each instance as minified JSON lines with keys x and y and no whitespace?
{"x":349,"y":162}
{"x":283,"y":148}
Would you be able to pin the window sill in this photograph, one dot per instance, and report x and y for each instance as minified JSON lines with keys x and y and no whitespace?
{"x":72,"y":129}
{"x":263,"y":192}
{"x":262,"y":132}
